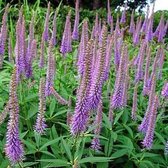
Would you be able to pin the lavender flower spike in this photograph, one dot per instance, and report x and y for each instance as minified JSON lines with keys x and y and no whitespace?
{"x":13,"y":148}
{"x":66,"y":38}
{"x":144,"y":125}
{"x":123,"y":16}
{"x":148,"y":140}
{"x":50,"y":70}
{"x":81,"y":114}
{"x":42,"y":45}
{"x":117,"y":97}
{"x":53,"y":37}
{"x":3,"y":35}
{"x":109,"y":17}
{"x":95,"y":144}
{"x":46,"y":24}
{"x":134,"y":107}
{"x":132,"y":24}
{"x":139,"y":73}
{"x":164,"y":92}
{"x":75,"y":34}
{"x":40,"y":121}
{"x":58,"y":97}
{"x":146,"y":76}
{"x":98,"y":76}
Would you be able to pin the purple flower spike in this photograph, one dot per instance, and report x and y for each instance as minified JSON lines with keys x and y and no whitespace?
{"x":81,"y":114}
{"x":149,"y":31}
{"x":75,"y":34}
{"x":99,"y":72}
{"x":66,"y":38}
{"x":82,"y":46}
{"x":134,"y":107}
{"x":144,"y":125}
{"x":50,"y":71}
{"x":40,"y":125}
{"x":117,"y":97}
{"x":46,"y":24}
{"x":3,"y":35}
{"x":146,"y":85}
{"x":13,"y":148}
{"x":164,"y":92}
{"x":53,"y":37}
{"x":109,"y":17}
{"x":139,"y":73}
{"x":132,"y":24}
{"x":137,"y":31}
{"x":123,"y":16}
{"x":148,"y":140}
{"x":95,"y":144}
{"x":42,"y":45}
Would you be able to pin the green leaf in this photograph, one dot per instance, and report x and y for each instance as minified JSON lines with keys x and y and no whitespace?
{"x":51,"y":142}
{"x":67,"y":149}
{"x":118,"y":117}
{"x":160,"y":137}
{"x":120,"y":153}
{"x":95,"y":159}
{"x":55,"y":162}
{"x":52,"y":107}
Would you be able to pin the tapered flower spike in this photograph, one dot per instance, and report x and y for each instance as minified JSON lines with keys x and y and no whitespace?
{"x":132,"y":24}
{"x":40,"y":125}
{"x":126,"y":85}
{"x":3,"y":35}
{"x":10,"y":51}
{"x":112,"y":26}
{"x":95,"y":144}
{"x":164,"y":92}
{"x":4,"y":113}
{"x":111,"y":115}
{"x":42,"y":49}
{"x":117,"y":26}
{"x":13,"y":148}
{"x":149,"y":31}
{"x":95,"y":52}
{"x":144,"y":124}
{"x":46,"y":24}
{"x":145,"y":23}
{"x":82,"y":46}
{"x":98,"y":76}
{"x":108,"y":57}
{"x":123,"y":16}
{"x":139,"y":73}
{"x":117,"y":52}
{"x":137,"y":31}
{"x":75,"y":34}
{"x":29,"y":60}
{"x":31,"y":32}
{"x":117,"y":97}
{"x":22,"y":46}
{"x":66,"y":38}
{"x":148,"y":140}
{"x":165,"y":28}
{"x":156,"y":33}
{"x":54,"y":31}
{"x":160,"y":62}
{"x":81,"y":114}
{"x":134,"y":105}
{"x":146,"y":76}
{"x":58,"y":97}
{"x":50,"y":70}
{"x":109,"y":18}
